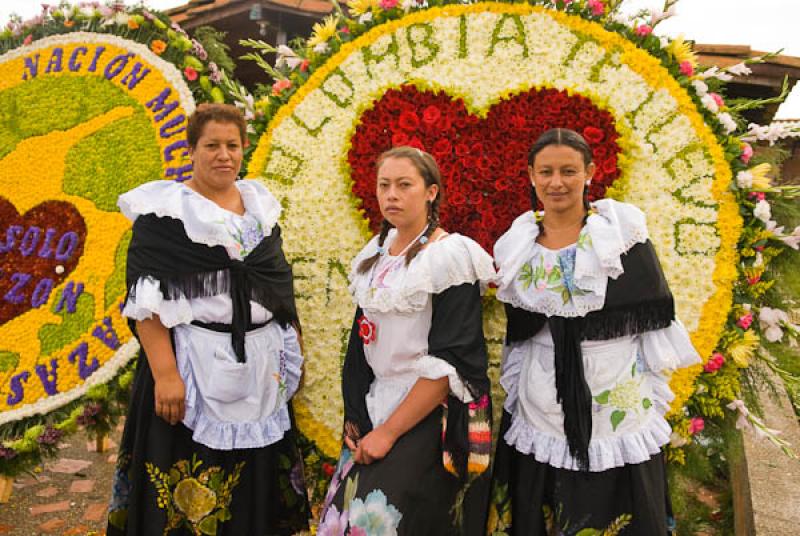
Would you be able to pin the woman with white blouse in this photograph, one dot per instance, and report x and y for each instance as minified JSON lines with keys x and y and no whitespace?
{"x":591,"y":342}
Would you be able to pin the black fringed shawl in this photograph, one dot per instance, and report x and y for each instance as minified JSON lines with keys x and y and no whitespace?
{"x":637,"y":301}
{"x":456,"y":336}
{"x":161,"y":249}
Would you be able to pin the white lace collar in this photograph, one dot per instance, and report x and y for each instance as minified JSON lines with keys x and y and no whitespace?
{"x":450,"y":261}
{"x":530,"y":274}
{"x":203,"y":219}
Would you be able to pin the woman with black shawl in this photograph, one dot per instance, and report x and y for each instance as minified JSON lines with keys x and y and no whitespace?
{"x":417,"y":428}
{"x":592,"y":339}
{"x":209,"y":444}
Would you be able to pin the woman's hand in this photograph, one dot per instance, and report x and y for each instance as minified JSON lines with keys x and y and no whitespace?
{"x":372,"y":447}
{"x":170,"y":394}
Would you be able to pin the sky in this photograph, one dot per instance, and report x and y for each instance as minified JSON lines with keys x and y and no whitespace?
{"x":765,"y":25}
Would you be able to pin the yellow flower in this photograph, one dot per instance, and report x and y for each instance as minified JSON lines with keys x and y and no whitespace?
{"x":742,"y":350}
{"x":322,"y":31}
{"x":359,"y":7}
{"x":194,"y":499}
{"x":760,"y":179}
{"x":682,"y":50}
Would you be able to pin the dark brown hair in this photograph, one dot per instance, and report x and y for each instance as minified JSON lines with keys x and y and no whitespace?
{"x":426,"y":166}
{"x":560,"y":136}
{"x":221,"y":113}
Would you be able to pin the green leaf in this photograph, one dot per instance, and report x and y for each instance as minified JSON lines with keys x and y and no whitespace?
{"x":208,"y":525}
{"x":284,"y":463}
{"x":589,"y":532}
{"x":633,"y":369}
{"x":602,"y":398}
{"x":224,"y":514}
{"x":174,"y":476}
{"x":647,"y":403}
{"x":617,"y":417}
{"x":350,"y":489}
{"x":565,"y":295}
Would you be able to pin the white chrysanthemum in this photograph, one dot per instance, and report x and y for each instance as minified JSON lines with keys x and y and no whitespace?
{"x":763,"y":211}
{"x":374,"y":515}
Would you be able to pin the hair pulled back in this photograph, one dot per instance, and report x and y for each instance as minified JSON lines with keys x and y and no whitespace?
{"x":426,"y":166}
{"x":568,"y":138}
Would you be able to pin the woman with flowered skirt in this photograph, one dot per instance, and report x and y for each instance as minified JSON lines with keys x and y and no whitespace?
{"x":417,"y":427}
{"x":591,"y":342}
{"x":209,"y":442}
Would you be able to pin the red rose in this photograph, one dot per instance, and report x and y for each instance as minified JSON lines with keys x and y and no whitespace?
{"x":366,"y":330}
{"x":593,"y":135}
{"x":457,"y":198}
{"x":409,"y":121}
{"x":416,"y":143}
{"x":462,"y":149}
{"x":431,"y":115}
{"x":610,"y":165}
{"x":328,"y":469}
{"x":399,"y":138}
{"x":442,"y":148}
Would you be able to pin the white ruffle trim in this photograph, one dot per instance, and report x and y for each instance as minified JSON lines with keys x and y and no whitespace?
{"x":669,"y":348}
{"x":604,"y":453}
{"x":612,"y":230}
{"x":201,"y":217}
{"x":149,"y":301}
{"x":251,"y":434}
{"x":433,"y":368}
{"x":447,"y":262}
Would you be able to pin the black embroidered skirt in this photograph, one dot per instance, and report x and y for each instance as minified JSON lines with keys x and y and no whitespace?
{"x":408,"y":491}
{"x":530,"y":498}
{"x":165,"y":483}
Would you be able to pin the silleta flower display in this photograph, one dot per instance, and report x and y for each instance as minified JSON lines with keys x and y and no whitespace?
{"x":121,"y":120}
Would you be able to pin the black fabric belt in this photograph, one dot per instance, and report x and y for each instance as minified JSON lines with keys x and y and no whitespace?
{"x":227,"y":328}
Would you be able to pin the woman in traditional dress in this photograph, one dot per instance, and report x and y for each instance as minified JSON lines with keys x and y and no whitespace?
{"x":592,"y":339}
{"x":412,"y":465}
{"x":209,"y":442}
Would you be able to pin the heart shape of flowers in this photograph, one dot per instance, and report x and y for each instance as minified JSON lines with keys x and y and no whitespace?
{"x":483,"y":161}
{"x":38,"y":251}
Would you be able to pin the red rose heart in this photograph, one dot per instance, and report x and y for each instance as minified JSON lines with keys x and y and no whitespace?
{"x":483,"y":161}
{"x":37,"y":252}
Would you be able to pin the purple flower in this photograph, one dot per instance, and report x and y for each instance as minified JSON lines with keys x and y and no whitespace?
{"x":298,"y":479}
{"x":216,"y":74}
{"x":50,"y":436}
{"x":7,"y":453}
{"x":89,"y":411}
{"x":198,"y":50}
{"x":333,"y":524}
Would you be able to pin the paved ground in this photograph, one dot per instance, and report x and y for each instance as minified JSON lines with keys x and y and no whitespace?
{"x":68,"y":496}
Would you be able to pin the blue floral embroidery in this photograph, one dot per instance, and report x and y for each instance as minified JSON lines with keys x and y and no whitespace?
{"x":566,"y":259}
{"x":374,"y":515}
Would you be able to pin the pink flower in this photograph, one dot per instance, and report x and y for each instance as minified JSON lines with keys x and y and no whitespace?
{"x":760,"y":196}
{"x":643,"y":30}
{"x":344,"y":30}
{"x":597,"y":7}
{"x":747,"y":153}
{"x":281,"y":85}
{"x":696,"y":425}
{"x":304,"y":65}
{"x":190,"y":74}
{"x":715,"y":363}
{"x":388,"y":4}
{"x":753,"y":280}
{"x":28,"y":40}
{"x":686,"y":68}
{"x":745,"y":321}
{"x":718,"y":99}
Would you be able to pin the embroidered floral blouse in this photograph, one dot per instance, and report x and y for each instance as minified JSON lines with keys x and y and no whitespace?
{"x":628,"y":376}
{"x":229,"y":405}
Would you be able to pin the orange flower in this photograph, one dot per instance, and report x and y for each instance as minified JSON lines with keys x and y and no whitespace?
{"x":158,"y":46}
{"x":132,"y":24}
{"x":69,"y":23}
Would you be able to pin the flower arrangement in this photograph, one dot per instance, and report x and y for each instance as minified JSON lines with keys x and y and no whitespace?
{"x":106,"y":92}
{"x":474,"y":84}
